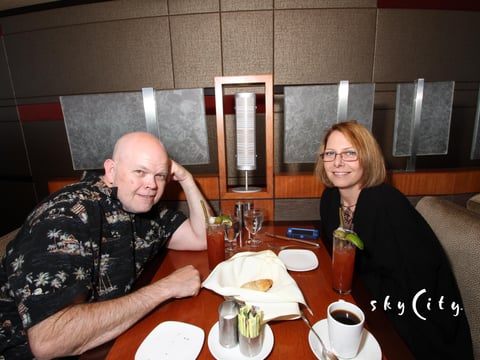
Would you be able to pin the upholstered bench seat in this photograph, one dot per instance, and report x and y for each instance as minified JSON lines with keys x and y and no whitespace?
{"x":5,"y":239}
{"x":473,"y":203}
{"x":458,"y":230}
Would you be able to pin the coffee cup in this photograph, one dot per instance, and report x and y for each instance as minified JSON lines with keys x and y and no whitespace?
{"x":345,"y":328}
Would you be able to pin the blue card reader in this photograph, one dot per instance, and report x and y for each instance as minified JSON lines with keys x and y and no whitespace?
{"x":302,"y":233}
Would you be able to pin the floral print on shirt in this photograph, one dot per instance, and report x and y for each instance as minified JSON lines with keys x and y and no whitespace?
{"x":77,"y":244}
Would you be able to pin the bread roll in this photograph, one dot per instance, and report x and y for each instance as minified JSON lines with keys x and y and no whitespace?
{"x":259,"y":285}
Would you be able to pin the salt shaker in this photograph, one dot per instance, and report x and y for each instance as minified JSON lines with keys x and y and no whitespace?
{"x":228,"y":323}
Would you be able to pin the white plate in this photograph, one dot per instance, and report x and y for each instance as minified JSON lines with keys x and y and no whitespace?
{"x":222,"y":353}
{"x":369,"y":347}
{"x":172,"y":340}
{"x":298,"y":259}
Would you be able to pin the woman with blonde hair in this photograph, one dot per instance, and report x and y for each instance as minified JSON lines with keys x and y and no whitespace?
{"x":403,"y":263}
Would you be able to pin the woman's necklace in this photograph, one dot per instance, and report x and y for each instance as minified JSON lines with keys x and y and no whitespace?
{"x":348,"y":211}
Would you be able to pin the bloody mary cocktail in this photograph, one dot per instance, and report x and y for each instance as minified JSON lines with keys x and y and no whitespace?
{"x":343,"y":262}
{"x":215,"y":244}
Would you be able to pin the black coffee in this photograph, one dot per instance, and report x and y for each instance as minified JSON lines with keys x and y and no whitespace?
{"x":345,"y":317}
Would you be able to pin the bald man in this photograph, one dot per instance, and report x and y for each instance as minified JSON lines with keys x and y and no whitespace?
{"x":66,"y":280}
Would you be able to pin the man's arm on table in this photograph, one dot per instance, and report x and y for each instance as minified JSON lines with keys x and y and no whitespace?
{"x":81,"y":327}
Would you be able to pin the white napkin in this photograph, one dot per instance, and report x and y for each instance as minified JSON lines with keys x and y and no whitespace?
{"x":281,"y":302}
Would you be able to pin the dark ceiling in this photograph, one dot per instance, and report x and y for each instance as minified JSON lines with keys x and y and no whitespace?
{"x":16,"y":7}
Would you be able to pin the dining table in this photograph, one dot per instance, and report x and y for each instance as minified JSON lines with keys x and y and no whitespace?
{"x":290,"y":337}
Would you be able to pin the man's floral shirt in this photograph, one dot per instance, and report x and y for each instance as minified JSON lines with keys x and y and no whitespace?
{"x":77,"y":245}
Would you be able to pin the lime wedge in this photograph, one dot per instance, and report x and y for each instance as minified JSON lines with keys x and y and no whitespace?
{"x":222,"y":219}
{"x":339,"y":233}
{"x":353,"y":238}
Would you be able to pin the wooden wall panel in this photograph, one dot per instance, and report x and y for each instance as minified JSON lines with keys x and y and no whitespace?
{"x":59,"y":183}
{"x":434,"y":182}
{"x":297,"y":186}
{"x":437,"y":182}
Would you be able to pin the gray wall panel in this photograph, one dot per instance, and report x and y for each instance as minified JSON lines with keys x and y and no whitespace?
{"x":182,"y":125}
{"x":434,"y":123}
{"x":311,"y":110}
{"x":95,"y":122}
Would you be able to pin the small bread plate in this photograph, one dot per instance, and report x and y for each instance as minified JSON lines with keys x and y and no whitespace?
{"x":172,"y":340}
{"x":369,"y":347}
{"x":298,"y":259}
{"x":222,"y":353}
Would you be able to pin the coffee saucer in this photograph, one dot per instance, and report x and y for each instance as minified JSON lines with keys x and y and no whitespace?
{"x":369,"y":346}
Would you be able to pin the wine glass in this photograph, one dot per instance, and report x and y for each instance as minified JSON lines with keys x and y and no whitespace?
{"x":231,"y":233}
{"x":253,"y":219}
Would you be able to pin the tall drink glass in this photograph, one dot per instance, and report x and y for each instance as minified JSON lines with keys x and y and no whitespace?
{"x":215,"y":244}
{"x":343,"y":262}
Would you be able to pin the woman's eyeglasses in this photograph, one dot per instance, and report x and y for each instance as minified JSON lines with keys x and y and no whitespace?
{"x":349,"y":155}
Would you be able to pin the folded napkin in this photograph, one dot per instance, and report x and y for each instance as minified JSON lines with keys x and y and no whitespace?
{"x":281,"y":302}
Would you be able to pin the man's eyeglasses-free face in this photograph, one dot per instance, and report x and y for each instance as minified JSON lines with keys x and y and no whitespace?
{"x":330,"y":155}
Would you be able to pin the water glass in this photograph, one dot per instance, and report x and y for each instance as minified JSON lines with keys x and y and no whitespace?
{"x":231,"y":234}
{"x":253,"y":220}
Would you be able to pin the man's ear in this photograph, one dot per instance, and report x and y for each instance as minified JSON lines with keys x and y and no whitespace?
{"x":109,"y":166}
